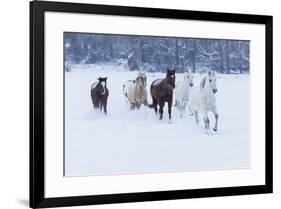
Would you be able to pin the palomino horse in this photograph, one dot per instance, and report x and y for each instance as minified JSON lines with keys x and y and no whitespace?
{"x":99,"y":94}
{"x":182,"y":91}
{"x":202,"y":99}
{"x":162,"y":91}
{"x":137,"y":94}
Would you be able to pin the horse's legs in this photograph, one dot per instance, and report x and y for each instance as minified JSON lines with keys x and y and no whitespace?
{"x":183,"y":105}
{"x":216,"y":117}
{"x":170,"y":103}
{"x":138,"y":105}
{"x":206,"y":121}
{"x":105,"y":106}
{"x":190,"y":112}
{"x":180,"y":107}
{"x":145,"y":103}
{"x":93,"y":99}
{"x":161,"y":106}
{"x":96,"y":104}
{"x":216,"y":124}
{"x":196,"y":116}
{"x":101,"y":104}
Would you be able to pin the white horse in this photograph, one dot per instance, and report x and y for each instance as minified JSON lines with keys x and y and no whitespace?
{"x":202,"y":100}
{"x":182,"y":90}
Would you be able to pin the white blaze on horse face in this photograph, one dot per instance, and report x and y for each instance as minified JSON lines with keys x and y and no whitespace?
{"x":103,"y":87}
{"x":173,"y":77}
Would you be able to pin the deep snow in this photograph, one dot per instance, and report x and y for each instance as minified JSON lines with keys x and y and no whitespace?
{"x":129,"y":142}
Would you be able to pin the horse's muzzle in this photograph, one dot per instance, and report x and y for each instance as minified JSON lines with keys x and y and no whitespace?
{"x":215,"y":91}
{"x":191,"y":84}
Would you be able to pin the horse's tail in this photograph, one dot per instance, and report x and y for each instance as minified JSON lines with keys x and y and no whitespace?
{"x":151,"y":86}
{"x":154,"y":102}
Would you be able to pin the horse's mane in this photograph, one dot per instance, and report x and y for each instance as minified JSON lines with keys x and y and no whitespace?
{"x":137,"y":80}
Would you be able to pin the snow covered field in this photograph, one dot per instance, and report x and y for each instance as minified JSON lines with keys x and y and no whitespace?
{"x":129,"y":142}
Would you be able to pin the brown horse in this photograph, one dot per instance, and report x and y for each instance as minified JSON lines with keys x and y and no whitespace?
{"x":99,"y":94}
{"x":162,"y":91}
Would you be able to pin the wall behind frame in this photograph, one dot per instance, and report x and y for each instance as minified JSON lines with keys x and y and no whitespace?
{"x":14,"y":106}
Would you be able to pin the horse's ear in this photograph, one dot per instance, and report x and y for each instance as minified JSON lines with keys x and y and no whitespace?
{"x":202,"y":84}
{"x":168,"y":70}
{"x":174,"y":70}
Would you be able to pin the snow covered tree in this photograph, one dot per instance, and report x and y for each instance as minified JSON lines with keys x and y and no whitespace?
{"x":157,"y":53}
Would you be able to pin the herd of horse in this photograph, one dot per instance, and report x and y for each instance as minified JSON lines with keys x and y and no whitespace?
{"x":199,"y":99}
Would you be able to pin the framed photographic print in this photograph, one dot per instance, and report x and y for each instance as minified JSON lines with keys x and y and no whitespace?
{"x":133,"y":104}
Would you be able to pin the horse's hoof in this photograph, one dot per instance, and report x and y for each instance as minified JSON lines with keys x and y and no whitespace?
{"x":215,"y":129}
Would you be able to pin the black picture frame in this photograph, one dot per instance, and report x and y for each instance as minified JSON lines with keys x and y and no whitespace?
{"x":37,"y":101}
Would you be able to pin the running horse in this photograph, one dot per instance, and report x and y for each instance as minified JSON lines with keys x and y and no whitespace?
{"x":162,"y":91}
{"x":99,"y":94}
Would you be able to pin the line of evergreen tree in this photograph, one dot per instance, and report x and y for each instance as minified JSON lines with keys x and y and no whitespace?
{"x":158,"y":53}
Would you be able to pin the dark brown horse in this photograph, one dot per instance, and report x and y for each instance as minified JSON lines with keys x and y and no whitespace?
{"x":99,"y":94}
{"x":162,"y":91}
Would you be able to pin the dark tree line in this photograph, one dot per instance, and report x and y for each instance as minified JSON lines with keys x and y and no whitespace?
{"x":157,"y":53}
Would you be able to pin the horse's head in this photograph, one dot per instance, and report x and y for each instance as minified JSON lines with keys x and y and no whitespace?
{"x":101,"y":86}
{"x":211,"y":81}
{"x":141,"y":80}
{"x":171,"y":77}
{"x":188,"y":78}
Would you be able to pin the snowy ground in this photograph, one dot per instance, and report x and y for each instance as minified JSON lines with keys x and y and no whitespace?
{"x":128,"y":142}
